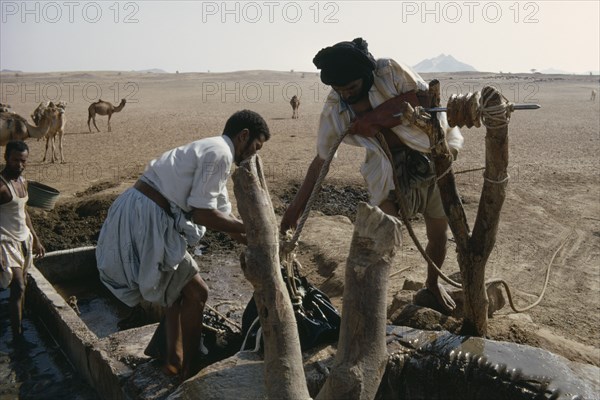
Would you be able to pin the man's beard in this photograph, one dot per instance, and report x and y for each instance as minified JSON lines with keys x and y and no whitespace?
{"x":243,"y":155}
{"x":367,"y":82}
{"x":13,"y":173}
{"x":354,"y":99}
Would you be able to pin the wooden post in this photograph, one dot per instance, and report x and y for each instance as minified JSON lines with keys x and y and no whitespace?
{"x":485,"y":228}
{"x":361,"y":354}
{"x":284,"y":373}
{"x":474,"y":249}
{"x":442,"y":159}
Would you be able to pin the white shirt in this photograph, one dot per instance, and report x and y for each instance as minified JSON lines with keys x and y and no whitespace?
{"x":195,"y":175}
{"x":390,"y":80}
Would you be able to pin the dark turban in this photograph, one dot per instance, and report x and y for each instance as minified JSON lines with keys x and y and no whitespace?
{"x":345,"y":62}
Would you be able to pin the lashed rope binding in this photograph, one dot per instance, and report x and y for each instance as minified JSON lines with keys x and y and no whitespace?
{"x":472,"y":109}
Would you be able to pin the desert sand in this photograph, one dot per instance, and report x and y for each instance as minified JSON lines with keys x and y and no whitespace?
{"x":553,"y":194}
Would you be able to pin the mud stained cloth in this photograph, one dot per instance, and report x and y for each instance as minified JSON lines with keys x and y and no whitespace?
{"x":141,"y":254}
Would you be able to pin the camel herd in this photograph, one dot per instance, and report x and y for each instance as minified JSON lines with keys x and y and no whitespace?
{"x":49,"y":123}
{"x":56,"y":126}
{"x":50,"y":120}
{"x":15,"y":127}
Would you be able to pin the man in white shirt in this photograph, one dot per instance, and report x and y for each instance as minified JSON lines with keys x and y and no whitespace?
{"x":141,"y":251}
{"x":364,"y":90}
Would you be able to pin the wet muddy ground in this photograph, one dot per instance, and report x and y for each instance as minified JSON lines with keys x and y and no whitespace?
{"x":35,"y":367}
{"x":77,"y":223}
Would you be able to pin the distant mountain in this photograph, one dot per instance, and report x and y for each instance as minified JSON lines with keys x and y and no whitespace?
{"x":10,"y":70}
{"x":555,"y":71}
{"x":442,"y":63}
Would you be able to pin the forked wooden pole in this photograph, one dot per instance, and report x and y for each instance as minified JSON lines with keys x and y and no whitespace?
{"x":474,"y":249}
{"x":361,"y":354}
{"x":284,"y":374}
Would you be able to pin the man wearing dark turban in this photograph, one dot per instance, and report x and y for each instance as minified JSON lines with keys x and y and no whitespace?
{"x":345,"y":62}
{"x":365,"y":94}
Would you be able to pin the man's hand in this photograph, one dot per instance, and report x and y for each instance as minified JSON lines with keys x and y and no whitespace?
{"x":297,"y":206}
{"x":238,"y":237}
{"x":38,"y":248}
{"x":289,"y":220}
{"x":216,"y":220}
{"x":382,"y":116}
{"x":365,"y":126}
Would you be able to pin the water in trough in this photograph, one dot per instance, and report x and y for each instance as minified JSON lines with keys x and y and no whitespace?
{"x":35,"y":367}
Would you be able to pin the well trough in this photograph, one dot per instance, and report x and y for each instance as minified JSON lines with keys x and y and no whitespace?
{"x":421,"y":365}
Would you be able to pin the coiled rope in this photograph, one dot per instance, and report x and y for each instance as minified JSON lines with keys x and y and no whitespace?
{"x":472,"y":109}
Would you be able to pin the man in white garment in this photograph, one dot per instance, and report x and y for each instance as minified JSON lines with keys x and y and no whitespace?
{"x":141,"y":251}
{"x":364,"y":94}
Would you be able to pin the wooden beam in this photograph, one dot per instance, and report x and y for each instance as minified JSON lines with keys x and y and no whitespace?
{"x":284,"y":373}
{"x":361,"y":353}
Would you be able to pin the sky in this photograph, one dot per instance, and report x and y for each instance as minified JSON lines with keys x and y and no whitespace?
{"x":218,"y":36}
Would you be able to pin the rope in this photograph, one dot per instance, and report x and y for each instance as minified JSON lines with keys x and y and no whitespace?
{"x":472,"y":108}
{"x":497,"y":182}
{"x":224,"y":318}
{"x":499,"y":113}
{"x":464,"y":171}
{"x":404,"y":215}
{"x":402,"y":211}
{"x":316,"y":190}
{"x":456,"y":114}
{"x":258,"y":334}
{"x":400,"y":271}
{"x":444,"y":173}
{"x":288,"y":246}
{"x":547,"y":279}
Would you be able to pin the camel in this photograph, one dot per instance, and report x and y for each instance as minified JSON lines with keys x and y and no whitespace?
{"x":295,"y":103}
{"x":103,"y":108}
{"x":593,"y":96}
{"x":15,"y":127}
{"x":57,"y":127}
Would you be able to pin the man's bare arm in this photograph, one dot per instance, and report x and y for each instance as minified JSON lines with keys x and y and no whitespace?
{"x":296,"y":208}
{"x":217,"y":221}
{"x":38,"y":248}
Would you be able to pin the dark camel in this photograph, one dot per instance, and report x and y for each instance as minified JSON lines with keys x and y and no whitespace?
{"x":295,"y":102}
{"x":102,"y":108}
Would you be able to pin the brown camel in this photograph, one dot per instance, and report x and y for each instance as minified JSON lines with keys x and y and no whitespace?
{"x":15,"y":127}
{"x":57,"y":127}
{"x":103,"y":108}
{"x":295,"y":103}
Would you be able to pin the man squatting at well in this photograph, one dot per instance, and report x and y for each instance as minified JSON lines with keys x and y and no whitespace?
{"x":18,"y":240}
{"x":365,"y":94}
{"x":141,"y":251}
